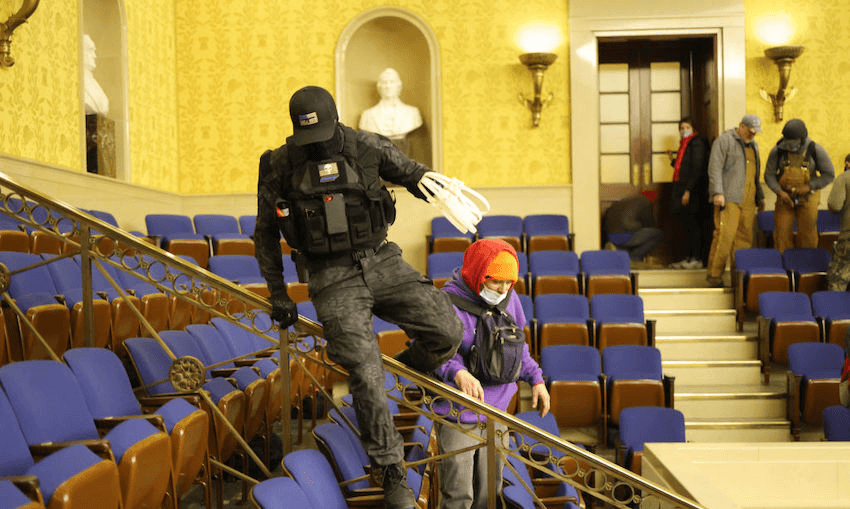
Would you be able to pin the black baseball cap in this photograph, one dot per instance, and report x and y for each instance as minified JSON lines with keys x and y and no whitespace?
{"x":314,"y":116}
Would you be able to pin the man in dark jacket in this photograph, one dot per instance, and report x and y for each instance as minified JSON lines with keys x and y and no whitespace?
{"x":630,"y":225}
{"x":796,"y":170}
{"x":690,"y":192}
{"x":323,"y":190}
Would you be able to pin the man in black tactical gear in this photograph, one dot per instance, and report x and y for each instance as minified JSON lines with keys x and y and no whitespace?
{"x":323,"y":191}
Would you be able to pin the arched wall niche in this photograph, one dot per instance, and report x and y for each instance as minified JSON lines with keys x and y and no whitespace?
{"x":392,"y":37}
{"x":105,"y":22}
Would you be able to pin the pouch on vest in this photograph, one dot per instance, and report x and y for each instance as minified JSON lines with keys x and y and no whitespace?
{"x":495,"y":356}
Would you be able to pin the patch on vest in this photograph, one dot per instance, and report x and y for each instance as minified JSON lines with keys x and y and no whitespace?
{"x":328,"y":172}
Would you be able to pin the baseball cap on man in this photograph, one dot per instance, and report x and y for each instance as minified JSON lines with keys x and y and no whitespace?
{"x":752,"y":121}
{"x":314,"y":116}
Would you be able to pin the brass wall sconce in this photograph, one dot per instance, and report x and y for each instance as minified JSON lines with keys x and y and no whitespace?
{"x":9,"y":26}
{"x":537,"y":63}
{"x":784,"y":56}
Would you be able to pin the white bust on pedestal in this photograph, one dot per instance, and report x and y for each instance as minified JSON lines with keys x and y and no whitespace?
{"x":390,"y":117}
{"x":96,"y":100}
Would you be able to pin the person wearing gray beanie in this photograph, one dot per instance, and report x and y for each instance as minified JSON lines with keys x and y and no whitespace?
{"x":797,"y":169}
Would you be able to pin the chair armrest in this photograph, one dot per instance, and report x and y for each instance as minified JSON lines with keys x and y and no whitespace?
{"x":822,"y":329}
{"x":620,"y":453}
{"x":370,"y":491}
{"x":591,"y":331}
{"x":793,"y":384}
{"x":160,"y":399}
{"x":376,"y":501}
{"x":764,"y":332}
{"x":669,"y":383}
{"x":107,"y":423}
{"x":650,"y":332}
{"x":557,"y":502}
{"x":222,"y":372}
{"x":28,"y":484}
{"x":100,"y":447}
{"x":545,"y":487}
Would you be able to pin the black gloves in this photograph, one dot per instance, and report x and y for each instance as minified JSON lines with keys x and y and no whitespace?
{"x":283,"y":309}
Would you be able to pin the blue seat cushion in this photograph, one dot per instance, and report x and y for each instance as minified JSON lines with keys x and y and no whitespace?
{"x":175,"y":411}
{"x":280,"y":493}
{"x":11,"y":497}
{"x":245,"y":376}
{"x":127,"y":434}
{"x":60,"y":466}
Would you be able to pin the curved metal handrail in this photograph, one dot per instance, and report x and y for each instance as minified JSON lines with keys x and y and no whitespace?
{"x":304,"y":346}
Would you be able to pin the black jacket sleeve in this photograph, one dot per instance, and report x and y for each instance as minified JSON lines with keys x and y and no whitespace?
{"x":696,"y":168}
{"x":266,"y":232}
{"x":393,"y":165}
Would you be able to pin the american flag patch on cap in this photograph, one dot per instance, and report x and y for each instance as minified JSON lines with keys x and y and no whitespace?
{"x":308,"y":119}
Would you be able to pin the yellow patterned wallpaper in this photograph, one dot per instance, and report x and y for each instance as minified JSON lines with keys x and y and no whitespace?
{"x":820,"y":74}
{"x":153,"y":93}
{"x":238,"y":63}
{"x":209,"y":83}
{"x":39,"y":95}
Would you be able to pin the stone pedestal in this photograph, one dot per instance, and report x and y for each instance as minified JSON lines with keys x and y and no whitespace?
{"x":100,"y":145}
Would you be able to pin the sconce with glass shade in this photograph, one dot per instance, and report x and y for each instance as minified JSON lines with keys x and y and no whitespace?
{"x":538,"y":41}
{"x":7,"y":28}
{"x":777,"y":30}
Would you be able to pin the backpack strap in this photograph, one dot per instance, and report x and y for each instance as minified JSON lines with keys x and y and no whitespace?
{"x":474,"y":307}
{"x":467,"y":305}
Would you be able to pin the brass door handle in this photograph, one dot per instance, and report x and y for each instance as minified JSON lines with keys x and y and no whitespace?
{"x":635,"y":174}
{"x":647,"y":173}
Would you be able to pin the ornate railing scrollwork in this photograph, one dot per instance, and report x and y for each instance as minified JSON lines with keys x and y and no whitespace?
{"x":305,"y":347}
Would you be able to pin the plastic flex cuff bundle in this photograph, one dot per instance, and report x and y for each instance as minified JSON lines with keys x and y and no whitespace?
{"x":461,"y":205}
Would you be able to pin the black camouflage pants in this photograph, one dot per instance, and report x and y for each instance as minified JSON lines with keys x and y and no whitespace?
{"x":345,"y":298}
{"x":838,"y":274}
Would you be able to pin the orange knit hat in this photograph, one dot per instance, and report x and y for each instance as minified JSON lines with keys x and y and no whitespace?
{"x":503,"y":268}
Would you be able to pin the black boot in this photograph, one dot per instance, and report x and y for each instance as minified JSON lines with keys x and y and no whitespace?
{"x":393,"y":478}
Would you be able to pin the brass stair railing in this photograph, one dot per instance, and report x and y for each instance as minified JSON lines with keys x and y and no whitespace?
{"x":100,"y":244}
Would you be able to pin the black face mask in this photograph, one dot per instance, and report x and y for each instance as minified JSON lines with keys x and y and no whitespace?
{"x":322,"y":150}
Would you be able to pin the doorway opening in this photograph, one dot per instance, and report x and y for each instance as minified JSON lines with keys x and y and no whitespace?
{"x":646,"y":86}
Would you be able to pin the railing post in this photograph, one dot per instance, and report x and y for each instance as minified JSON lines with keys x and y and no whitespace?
{"x":88,"y":294}
{"x":286,"y":393}
{"x":492,"y":473}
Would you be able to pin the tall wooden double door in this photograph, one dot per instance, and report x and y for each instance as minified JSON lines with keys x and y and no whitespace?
{"x":646,"y":86}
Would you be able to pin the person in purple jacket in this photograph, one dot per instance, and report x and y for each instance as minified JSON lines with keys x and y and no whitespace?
{"x":489,"y":272}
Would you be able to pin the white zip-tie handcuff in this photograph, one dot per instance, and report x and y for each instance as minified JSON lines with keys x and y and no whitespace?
{"x":461,"y":205}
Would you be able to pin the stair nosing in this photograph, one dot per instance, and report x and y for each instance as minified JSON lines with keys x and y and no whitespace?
{"x":684,"y":289}
{"x":714,"y":363}
{"x":699,"y":396}
{"x":685,"y":312}
{"x":736,"y":423}
{"x":696,"y":338}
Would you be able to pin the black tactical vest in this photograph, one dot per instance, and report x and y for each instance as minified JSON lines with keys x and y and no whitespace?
{"x":326,"y":207}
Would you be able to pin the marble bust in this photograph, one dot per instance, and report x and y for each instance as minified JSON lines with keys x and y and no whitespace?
{"x":390,"y":117}
{"x":96,"y":100}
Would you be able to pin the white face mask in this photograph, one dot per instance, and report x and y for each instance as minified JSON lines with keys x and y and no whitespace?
{"x":491,"y":297}
{"x":686,"y":132}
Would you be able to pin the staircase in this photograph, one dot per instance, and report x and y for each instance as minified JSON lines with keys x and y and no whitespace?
{"x":718,"y":375}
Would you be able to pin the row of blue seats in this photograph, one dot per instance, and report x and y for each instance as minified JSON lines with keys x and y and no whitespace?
{"x":555,"y":271}
{"x":534,"y":232}
{"x":79,"y":430}
{"x":786,"y":318}
{"x":50,"y":289}
{"x":591,"y":388}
